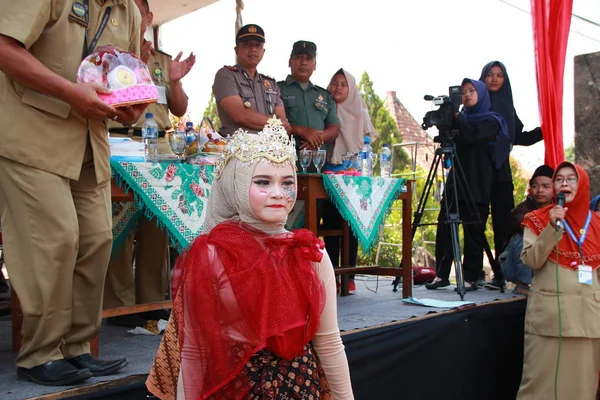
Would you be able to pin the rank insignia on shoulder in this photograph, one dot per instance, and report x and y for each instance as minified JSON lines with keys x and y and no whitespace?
{"x":320,"y":98}
{"x":266,"y":77}
{"x":231,"y":67}
{"x":268,"y":85}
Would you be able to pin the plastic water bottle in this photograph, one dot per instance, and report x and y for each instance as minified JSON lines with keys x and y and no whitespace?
{"x":190,"y":134}
{"x":366,"y":156}
{"x":150,"y":137}
{"x":385,"y":162}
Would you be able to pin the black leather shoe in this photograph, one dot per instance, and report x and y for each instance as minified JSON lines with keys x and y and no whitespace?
{"x":438,"y":284}
{"x":471,"y":288}
{"x":97,"y":367}
{"x":54,"y":373}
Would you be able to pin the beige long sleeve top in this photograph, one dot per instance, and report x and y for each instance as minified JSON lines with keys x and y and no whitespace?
{"x":579,"y":303}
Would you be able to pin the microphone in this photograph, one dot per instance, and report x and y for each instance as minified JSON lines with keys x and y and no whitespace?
{"x":560,"y":200}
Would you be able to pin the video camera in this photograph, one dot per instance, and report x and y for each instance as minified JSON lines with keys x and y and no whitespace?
{"x":442,"y":117}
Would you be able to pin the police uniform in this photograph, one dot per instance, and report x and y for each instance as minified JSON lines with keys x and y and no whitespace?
{"x":150,"y":281}
{"x":260,"y":94}
{"x":54,"y":173}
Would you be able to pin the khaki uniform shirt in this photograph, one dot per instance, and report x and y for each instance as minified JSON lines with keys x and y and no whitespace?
{"x":579,"y":303}
{"x":259,"y":94}
{"x":311,"y":108}
{"x":41,"y":131}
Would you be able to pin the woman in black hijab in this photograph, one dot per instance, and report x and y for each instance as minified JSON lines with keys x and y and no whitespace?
{"x":502,"y":201}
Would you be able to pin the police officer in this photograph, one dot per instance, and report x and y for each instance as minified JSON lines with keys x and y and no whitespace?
{"x":55,"y":177}
{"x":150,"y":282}
{"x":246,"y":99}
{"x":310,"y":109}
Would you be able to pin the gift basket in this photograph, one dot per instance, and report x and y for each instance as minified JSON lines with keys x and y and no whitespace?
{"x":121,"y":72}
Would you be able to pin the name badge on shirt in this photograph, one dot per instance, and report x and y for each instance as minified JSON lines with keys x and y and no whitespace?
{"x":585,"y":274}
{"x":162,"y":94}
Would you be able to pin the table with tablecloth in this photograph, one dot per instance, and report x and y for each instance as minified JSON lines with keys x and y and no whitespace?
{"x":177,"y":194}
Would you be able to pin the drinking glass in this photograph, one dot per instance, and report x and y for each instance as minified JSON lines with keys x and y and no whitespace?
{"x":305,"y":159}
{"x":178,"y":143}
{"x":319,"y":159}
{"x":347,"y":160}
{"x":374,"y":160}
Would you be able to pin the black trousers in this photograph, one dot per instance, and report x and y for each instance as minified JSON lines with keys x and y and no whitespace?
{"x":333,"y":220}
{"x":502,"y":201}
{"x":474,"y":235}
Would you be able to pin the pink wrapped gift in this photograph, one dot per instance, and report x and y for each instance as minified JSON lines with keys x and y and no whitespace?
{"x":121,"y":72}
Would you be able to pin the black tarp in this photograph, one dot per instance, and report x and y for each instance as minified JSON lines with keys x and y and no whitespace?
{"x":473,"y":354}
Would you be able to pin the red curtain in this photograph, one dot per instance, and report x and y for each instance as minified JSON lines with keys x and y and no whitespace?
{"x":551,"y":23}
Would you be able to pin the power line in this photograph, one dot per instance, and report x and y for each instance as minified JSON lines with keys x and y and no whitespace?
{"x":577,"y":32}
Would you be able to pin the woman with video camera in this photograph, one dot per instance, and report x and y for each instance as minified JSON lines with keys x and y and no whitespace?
{"x":496,"y":79}
{"x":477,"y":126}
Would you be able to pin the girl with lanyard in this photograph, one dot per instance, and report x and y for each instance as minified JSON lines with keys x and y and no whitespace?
{"x":562,"y":324}
{"x":254,"y":312}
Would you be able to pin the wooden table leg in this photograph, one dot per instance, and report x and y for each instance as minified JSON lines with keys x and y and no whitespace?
{"x":345,"y":262}
{"x":94,"y":347}
{"x":310,"y":207}
{"x":407,"y":242}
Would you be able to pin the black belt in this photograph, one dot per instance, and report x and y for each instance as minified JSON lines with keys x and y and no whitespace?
{"x":132,"y":132}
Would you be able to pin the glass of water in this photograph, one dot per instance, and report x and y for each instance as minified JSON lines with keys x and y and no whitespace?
{"x":319,"y":159}
{"x":178,"y":143}
{"x":305,"y":159}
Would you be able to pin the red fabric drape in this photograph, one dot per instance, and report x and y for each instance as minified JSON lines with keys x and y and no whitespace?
{"x":551,"y":24}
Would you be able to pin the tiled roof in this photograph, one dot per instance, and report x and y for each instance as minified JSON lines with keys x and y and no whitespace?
{"x":411,"y":131}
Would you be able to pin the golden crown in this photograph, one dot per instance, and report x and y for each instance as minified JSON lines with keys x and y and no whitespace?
{"x":272,"y":143}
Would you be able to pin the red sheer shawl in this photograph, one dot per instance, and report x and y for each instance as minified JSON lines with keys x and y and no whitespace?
{"x":238,"y":290}
{"x":576,"y":215}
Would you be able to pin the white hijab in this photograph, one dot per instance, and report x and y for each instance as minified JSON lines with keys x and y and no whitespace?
{"x":230,"y":198}
{"x":355,"y":123}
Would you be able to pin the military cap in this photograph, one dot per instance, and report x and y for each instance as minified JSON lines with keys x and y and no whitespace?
{"x":302,"y":46}
{"x":250,"y":32}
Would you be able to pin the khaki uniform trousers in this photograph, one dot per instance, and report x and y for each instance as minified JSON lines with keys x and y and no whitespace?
{"x":150,"y":281}
{"x":57,"y":241}
{"x":149,"y":284}
{"x":577,"y":372}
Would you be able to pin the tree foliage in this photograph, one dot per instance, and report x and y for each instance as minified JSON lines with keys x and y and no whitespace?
{"x":212,"y":113}
{"x":570,"y":153}
{"x":178,"y":123}
{"x":383,"y":122}
{"x":425,"y":235}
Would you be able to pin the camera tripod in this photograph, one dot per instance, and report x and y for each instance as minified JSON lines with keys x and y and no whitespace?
{"x":446,"y":154}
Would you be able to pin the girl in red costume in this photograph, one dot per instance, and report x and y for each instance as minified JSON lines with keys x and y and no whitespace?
{"x":562,"y":322}
{"x":254,"y":313}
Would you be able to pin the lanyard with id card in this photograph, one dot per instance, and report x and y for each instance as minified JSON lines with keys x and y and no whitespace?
{"x":89,"y":49}
{"x":584,"y":272}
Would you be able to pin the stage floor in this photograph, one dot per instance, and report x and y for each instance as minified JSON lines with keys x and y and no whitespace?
{"x":374,"y":304}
